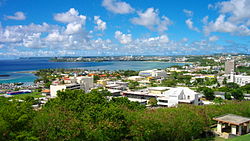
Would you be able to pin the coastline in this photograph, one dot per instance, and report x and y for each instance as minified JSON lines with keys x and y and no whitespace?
{"x":25,"y":72}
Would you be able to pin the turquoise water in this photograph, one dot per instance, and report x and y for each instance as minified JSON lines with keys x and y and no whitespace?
{"x":11,"y":66}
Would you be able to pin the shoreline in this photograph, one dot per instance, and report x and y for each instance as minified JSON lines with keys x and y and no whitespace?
{"x":25,"y":72}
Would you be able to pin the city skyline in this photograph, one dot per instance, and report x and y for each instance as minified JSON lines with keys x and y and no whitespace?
{"x":123,"y":27}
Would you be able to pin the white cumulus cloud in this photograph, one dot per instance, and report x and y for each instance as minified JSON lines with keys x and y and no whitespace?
{"x":150,"y":19}
{"x":70,"y":16}
{"x":123,"y":38}
{"x":191,"y":26}
{"x":17,"y":16}
{"x":74,"y":20}
{"x":101,"y":25}
{"x":220,"y":25}
{"x":213,"y":38}
{"x":238,"y":9}
{"x":233,"y":18}
{"x":117,"y":6}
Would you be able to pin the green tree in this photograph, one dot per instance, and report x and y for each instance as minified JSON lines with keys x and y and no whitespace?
{"x":47,"y":84}
{"x":218,"y":100}
{"x":57,"y":123}
{"x":246,"y":88}
{"x":96,"y":77}
{"x":224,"y":82}
{"x":237,"y":94}
{"x":152,"y":102}
{"x":228,"y":96}
{"x":169,"y":83}
{"x":133,"y":84}
{"x":232,"y":85}
{"x":208,"y":93}
{"x":15,"y":119}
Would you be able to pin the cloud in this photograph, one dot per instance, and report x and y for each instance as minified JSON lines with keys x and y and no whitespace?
{"x":233,"y":18}
{"x":123,"y":38}
{"x":220,"y":25}
{"x":74,"y":20}
{"x":151,"y":20}
{"x":188,"y":13}
{"x":213,"y":38}
{"x":161,"y":45}
{"x":117,"y":7}
{"x":43,"y":36}
{"x":160,"y":39}
{"x":17,"y":16}
{"x":101,"y":25}
{"x":73,"y":28}
{"x":52,"y":40}
{"x":190,"y":25}
{"x":237,"y":9}
{"x":70,"y":16}
{"x":17,"y":34}
{"x":184,"y":39}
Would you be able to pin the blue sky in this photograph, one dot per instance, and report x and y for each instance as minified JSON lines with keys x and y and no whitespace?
{"x":123,"y":27}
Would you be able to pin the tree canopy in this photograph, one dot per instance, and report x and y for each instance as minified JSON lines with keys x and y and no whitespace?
{"x":75,"y":115}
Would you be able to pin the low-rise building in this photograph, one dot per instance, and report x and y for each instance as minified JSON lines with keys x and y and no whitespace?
{"x":179,"y":95}
{"x":168,"y":98}
{"x":157,"y":90}
{"x":45,"y":92}
{"x":55,"y":88}
{"x":136,"y":78}
{"x":117,"y":85}
{"x":115,"y":92}
{"x":102,"y":82}
{"x":153,"y":73}
{"x":239,"y":79}
{"x":230,"y":124}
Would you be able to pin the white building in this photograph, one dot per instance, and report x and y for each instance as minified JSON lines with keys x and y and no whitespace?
{"x":86,"y":82}
{"x":136,"y":78}
{"x":55,"y":88}
{"x":153,"y":73}
{"x":239,"y":79}
{"x":169,"y":98}
{"x":178,"y":95}
{"x":117,"y":85}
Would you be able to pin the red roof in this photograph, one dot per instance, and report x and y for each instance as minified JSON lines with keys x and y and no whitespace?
{"x":46,"y":91}
{"x":103,"y":75}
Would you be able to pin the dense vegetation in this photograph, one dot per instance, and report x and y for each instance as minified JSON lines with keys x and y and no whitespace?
{"x":243,"y":69}
{"x":75,"y":115}
{"x":203,"y":62}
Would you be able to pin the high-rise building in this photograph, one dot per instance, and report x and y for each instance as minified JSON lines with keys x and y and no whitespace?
{"x":86,"y":82}
{"x":229,"y":66}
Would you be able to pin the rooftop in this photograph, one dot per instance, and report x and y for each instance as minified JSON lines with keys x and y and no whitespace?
{"x":159,"y":88}
{"x":232,"y":119}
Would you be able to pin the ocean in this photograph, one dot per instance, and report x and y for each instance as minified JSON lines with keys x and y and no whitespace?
{"x":10,"y":67}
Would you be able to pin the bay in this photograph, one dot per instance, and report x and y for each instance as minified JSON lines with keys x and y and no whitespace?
{"x":10,"y":67}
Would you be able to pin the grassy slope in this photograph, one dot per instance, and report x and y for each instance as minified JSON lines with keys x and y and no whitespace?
{"x":241,"y":138}
{"x":22,"y":96}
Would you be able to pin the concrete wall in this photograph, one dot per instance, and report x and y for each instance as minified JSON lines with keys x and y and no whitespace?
{"x":55,"y":88}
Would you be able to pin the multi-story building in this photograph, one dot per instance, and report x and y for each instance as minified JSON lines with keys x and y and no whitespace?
{"x":239,"y":79}
{"x":229,"y":66}
{"x":55,"y":88}
{"x":86,"y":82}
{"x":82,"y":82}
